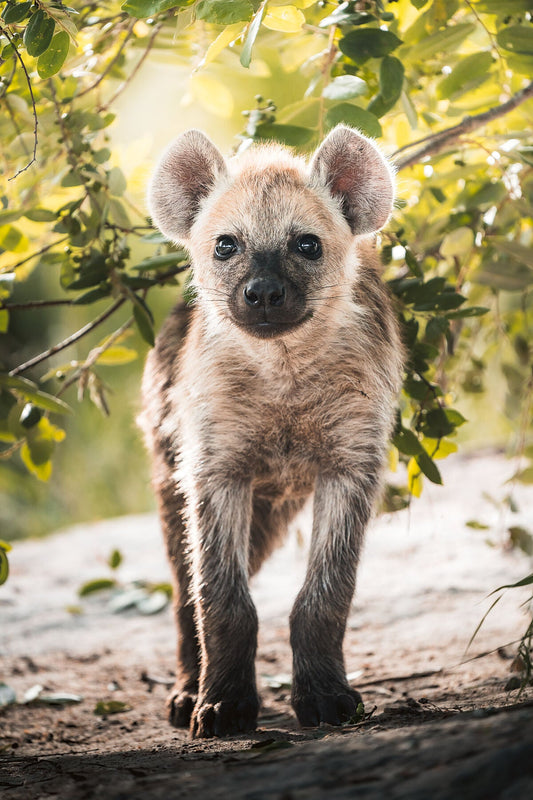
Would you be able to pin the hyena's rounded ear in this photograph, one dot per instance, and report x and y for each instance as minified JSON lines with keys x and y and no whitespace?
{"x":185,"y":175}
{"x":356,"y":173}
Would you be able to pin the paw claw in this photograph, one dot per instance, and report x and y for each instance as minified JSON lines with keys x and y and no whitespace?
{"x":332,"y":708}
{"x":225,"y":717}
{"x":180,"y":706}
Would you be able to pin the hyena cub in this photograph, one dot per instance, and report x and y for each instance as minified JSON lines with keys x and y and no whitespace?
{"x":279,"y":382}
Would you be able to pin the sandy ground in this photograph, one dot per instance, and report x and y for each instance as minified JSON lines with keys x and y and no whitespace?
{"x":439,"y":720}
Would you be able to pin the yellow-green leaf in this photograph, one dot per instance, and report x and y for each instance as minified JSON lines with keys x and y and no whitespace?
{"x":42,"y":471}
{"x":287,"y":19}
{"x":12,"y":239}
{"x":114,"y":356}
{"x":457,"y":243}
{"x":414,"y":478}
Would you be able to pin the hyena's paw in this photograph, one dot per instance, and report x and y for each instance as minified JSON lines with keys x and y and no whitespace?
{"x":334,"y":708}
{"x":180,"y":705}
{"x":225,"y":717}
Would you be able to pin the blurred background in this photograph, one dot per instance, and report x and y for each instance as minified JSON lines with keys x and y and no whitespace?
{"x":100,"y":469}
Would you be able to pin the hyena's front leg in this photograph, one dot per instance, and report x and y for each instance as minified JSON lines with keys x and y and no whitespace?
{"x":320,"y":690}
{"x":219,"y":526}
{"x":182,"y":698}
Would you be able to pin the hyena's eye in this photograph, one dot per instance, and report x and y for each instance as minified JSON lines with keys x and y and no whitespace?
{"x":309,"y":246}
{"x":225,"y":247}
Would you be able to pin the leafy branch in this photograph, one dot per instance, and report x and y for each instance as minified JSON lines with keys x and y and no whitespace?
{"x":430,"y":145}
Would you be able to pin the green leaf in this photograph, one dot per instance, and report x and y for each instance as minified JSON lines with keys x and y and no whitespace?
{"x":517,"y":39}
{"x":292,"y":135}
{"x":162,"y":262}
{"x":105,"y":707}
{"x":391,"y":74}
{"x":458,"y":242}
{"x":345,"y":87}
{"x":455,"y":417}
{"x":407,"y":443}
{"x":116,"y":181}
{"x":40,"y":466}
{"x":437,"y":424}
{"x":144,"y":320}
{"x":4,"y":320}
{"x":224,"y":12}
{"x":53,"y":58}
{"x":97,"y":585}
{"x":115,"y":559}
{"x":428,"y":467}
{"x":355,"y":117}
{"x":115,"y":356}
{"x":466,"y":74}
{"x":4,"y":573}
{"x":528,"y":581}
{"x":524,"y":475}
{"x":253,"y":30}
{"x":443,"y":41}
{"x":365,"y":43}
{"x":38,"y":33}
{"x":148,"y":8}
{"x":30,"y":391}
{"x":516,"y":250}
{"x":15,"y":12}
{"x":476,"y":525}
{"x":40,"y":215}
{"x":471,"y":311}
{"x":92,"y":295}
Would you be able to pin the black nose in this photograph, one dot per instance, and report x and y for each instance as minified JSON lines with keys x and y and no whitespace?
{"x":264,"y":292}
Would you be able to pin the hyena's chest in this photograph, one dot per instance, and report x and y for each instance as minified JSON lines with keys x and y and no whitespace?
{"x":280,"y":445}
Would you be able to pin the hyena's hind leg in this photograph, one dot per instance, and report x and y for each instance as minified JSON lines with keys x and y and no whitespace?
{"x":270,"y":520}
{"x":183,"y":696}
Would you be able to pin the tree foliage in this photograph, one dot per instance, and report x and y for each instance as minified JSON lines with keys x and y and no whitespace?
{"x":443,"y":85}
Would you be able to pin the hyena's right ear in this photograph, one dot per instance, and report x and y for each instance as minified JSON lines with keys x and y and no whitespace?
{"x":185,"y":175}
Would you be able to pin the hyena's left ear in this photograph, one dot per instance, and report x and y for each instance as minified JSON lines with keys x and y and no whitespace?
{"x":356,"y":173}
{"x":185,"y":175}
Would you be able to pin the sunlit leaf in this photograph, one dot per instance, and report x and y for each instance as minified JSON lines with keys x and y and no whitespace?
{"x":356,"y":117}
{"x":345,"y":87}
{"x":291,"y":135}
{"x":224,"y":12}
{"x":458,"y":243}
{"x":53,"y":58}
{"x":284,"y":18}
{"x":148,"y":8}
{"x":253,"y":30}
{"x":414,"y":478}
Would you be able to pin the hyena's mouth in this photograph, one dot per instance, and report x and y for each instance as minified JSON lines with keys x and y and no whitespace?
{"x":267,"y":306}
{"x":269,"y":329}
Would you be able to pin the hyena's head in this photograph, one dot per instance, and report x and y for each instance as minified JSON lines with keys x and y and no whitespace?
{"x":271,"y":238}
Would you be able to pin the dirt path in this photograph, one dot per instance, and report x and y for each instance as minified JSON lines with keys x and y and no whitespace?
{"x":439,"y":727}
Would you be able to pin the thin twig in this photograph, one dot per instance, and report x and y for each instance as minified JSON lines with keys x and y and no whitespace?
{"x":75,"y":337}
{"x":438,"y":141}
{"x":94,"y":355}
{"x":111,"y":64}
{"x":34,"y":255}
{"x":135,"y":70}
{"x":31,"y":304}
{"x":34,"y":110}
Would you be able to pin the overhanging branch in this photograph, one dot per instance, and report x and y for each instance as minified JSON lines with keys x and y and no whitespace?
{"x":433,"y":144}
